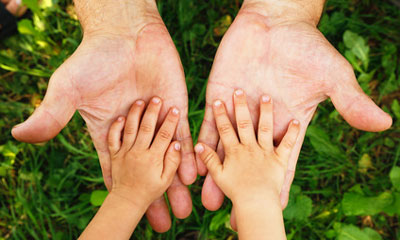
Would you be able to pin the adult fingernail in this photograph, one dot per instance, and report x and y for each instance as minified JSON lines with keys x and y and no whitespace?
{"x":175,"y":111}
{"x":199,"y":148}
{"x":217,"y":103}
{"x":266,"y":98}
{"x":156,"y":100}
{"x":239,"y":92}
{"x":177,"y":146}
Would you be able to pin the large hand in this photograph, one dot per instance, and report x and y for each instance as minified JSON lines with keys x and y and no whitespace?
{"x":293,"y":63}
{"x":102,"y":79}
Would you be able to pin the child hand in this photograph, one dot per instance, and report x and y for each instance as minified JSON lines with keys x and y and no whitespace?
{"x":253,"y":168}
{"x":143,"y":169}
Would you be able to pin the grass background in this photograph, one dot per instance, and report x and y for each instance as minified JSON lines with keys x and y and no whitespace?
{"x":347,"y":184}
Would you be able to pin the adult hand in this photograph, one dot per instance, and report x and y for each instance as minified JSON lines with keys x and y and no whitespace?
{"x":126,"y":54}
{"x":275,"y":48}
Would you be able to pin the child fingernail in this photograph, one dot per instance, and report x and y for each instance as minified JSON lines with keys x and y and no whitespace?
{"x":199,"y":148}
{"x":175,"y":111}
{"x":266,"y":98}
{"x":139,"y":102}
{"x":239,"y":92}
{"x":177,"y":146}
{"x":156,"y":100}
{"x":296,"y":122}
{"x":217,"y":103}
{"x":120,"y":119}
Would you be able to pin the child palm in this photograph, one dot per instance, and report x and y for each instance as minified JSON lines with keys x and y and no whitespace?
{"x":252,"y":167}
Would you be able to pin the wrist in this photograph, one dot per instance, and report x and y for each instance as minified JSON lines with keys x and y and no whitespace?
{"x":269,"y":198}
{"x":286,"y":11}
{"x":134,"y":203}
{"x":122,"y":18}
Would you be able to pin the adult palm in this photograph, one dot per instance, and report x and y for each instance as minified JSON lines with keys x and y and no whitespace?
{"x":104,"y":76}
{"x":298,"y":68}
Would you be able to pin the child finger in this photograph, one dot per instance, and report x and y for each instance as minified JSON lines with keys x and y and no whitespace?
{"x":243,"y":119}
{"x":166,"y":131}
{"x":210,"y":159}
{"x":266,"y":123}
{"x":224,"y":125}
{"x":132,"y":123}
{"x":289,"y":140}
{"x":171,"y":162}
{"x":148,"y":125}
{"x":114,"y":135}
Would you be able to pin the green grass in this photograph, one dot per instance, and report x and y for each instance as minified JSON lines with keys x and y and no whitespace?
{"x":347,"y":184}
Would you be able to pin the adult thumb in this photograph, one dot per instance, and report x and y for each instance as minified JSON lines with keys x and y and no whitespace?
{"x":51,"y":116}
{"x":355,"y":106}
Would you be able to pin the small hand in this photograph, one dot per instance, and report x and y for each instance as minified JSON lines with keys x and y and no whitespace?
{"x":253,"y":168}
{"x":143,"y":169}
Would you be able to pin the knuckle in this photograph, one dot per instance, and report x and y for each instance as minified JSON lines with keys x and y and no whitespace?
{"x":174,"y":161}
{"x":288,"y":144}
{"x":220,"y":113}
{"x":241,"y":104}
{"x":130,"y":130}
{"x":264,"y":128}
{"x":224,"y":128}
{"x":208,"y":158}
{"x":146,"y":128}
{"x":244,"y":124}
{"x":164,"y":134}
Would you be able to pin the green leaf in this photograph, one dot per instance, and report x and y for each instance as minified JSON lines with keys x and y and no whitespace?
{"x":221,"y":218}
{"x":321,"y":142}
{"x":358,"y":46}
{"x":395,"y":177}
{"x":396,"y":108}
{"x":97,"y":197}
{"x":298,"y":208}
{"x":394,"y":208}
{"x":351,"y":232}
{"x":33,"y":5}
{"x":355,"y":204}
{"x":25,"y":26}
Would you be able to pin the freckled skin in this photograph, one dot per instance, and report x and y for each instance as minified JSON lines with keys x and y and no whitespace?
{"x":294,"y":64}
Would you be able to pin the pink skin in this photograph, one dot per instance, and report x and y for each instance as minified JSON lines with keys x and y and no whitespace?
{"x":294,"y":64}
{"x":14,"y":7}
{"x":101,"y":80}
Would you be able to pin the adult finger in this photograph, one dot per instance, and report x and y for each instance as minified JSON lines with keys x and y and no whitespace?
{"x":53,"y":113}
{"x":158,"y":215}
{"x":187,"y":169}
{"x":354,"y":105}
{"x":179,"y":199}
